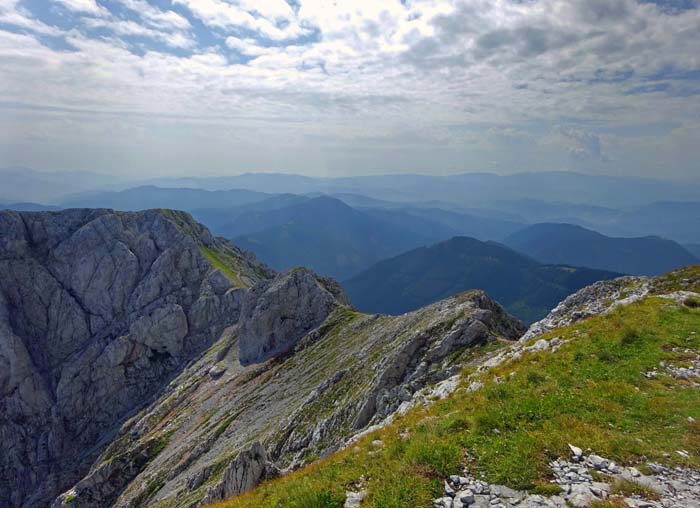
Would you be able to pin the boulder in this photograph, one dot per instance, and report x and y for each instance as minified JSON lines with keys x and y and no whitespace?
{"x":277,"y":313}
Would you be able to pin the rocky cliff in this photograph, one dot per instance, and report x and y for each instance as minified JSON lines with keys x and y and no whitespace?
{"x":225,"y":424}
{"x":145,"y":363}
{"x":99,"y":310}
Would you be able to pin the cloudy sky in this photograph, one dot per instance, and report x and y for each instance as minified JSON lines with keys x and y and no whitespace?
{"x":338,"y":87}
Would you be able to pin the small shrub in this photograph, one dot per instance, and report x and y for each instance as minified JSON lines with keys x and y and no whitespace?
{"x":439,"y":457}
{"x":693,"y":303}
{"x":545,"y":489}
{"x":630,"y":336}
{"x":535,"y":378}
{"x":455,"y":425}
{"x":608,"y":357}
{"x":497,"y":392}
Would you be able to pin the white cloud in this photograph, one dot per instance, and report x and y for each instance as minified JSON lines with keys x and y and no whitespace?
{"x":12,"y":14}
{"x":82,"y":6}
{"x":176,"y":39}
{"x":155,"y":17}
{"x":262,"y":20}
{"x":535,"y":84}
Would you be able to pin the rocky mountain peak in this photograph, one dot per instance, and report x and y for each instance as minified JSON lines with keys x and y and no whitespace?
{"x":98,"y":310}
{"x":277,"y":313}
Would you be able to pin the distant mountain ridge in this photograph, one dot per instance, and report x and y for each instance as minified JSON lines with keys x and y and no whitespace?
{"x":149,"y":196}
{"x":325,"y":235}
{"x":526,"y":288}
{"x":578,"y":246}
{"x":477,"y":189}
{"x":28,"y":207}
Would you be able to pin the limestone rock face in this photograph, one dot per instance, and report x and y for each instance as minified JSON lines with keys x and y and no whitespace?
{"x":247,"y":470}
{"x":98,"y":309}
{"x":348,"y":373}
{"x":277,"y":313}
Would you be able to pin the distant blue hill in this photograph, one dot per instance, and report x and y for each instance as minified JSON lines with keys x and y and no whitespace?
{"x":693,"y":248}
{"x":577,"y":246}
{"x":28,"y":207}
{"x":528,"y":289}
{"x":146,"y":197}
{"x":327,"y":236}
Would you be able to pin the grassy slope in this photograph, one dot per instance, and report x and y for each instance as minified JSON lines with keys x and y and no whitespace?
{"x":590,"y":392}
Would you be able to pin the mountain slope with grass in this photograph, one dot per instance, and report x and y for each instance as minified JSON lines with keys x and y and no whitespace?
{"x":622,"y":383}
{"x":578,"y":246}
{"x":525,"y":287}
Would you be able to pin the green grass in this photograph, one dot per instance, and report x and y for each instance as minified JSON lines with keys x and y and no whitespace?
{"x":591,"y":388}
{"x":629,"y":488}
{"x":613,"y":502}
{"x":217,"y":261}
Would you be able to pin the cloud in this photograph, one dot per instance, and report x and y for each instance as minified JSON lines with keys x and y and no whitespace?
{"x":580,"y":144}
{"x":11,"y":13}
{"x":155,"y":17}
{"x":268,"y":19}
{"x":176,"y":39}
{"x":82,"y":6}
{"x":538,"y":84}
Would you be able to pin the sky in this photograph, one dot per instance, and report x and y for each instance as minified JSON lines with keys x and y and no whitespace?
{"x":349,"y":87}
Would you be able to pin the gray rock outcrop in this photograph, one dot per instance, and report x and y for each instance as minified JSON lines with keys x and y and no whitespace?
{"x":277,"y":313}
{"x":592,"y":300}
{"x":98,"y":310}
{"x":248,"y":469}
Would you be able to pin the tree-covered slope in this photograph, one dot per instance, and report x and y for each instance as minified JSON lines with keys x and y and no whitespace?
{"x":525,"y":287}
{"x":693,"y":248}
{"x":578,"y":246}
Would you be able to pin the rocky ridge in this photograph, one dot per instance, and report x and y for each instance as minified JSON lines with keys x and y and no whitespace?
{"x":384,"y":462}
{"x":98,"y":311}
{"x":224,"y":424}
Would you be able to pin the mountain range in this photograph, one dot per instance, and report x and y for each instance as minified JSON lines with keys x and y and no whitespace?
{"x":577,"y":246}
{"x":526,"y":288}
{"x":146,"y":363}
{"x":474,"y":189}
{"x":147,"y":197}
{"x":325,"y":235}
